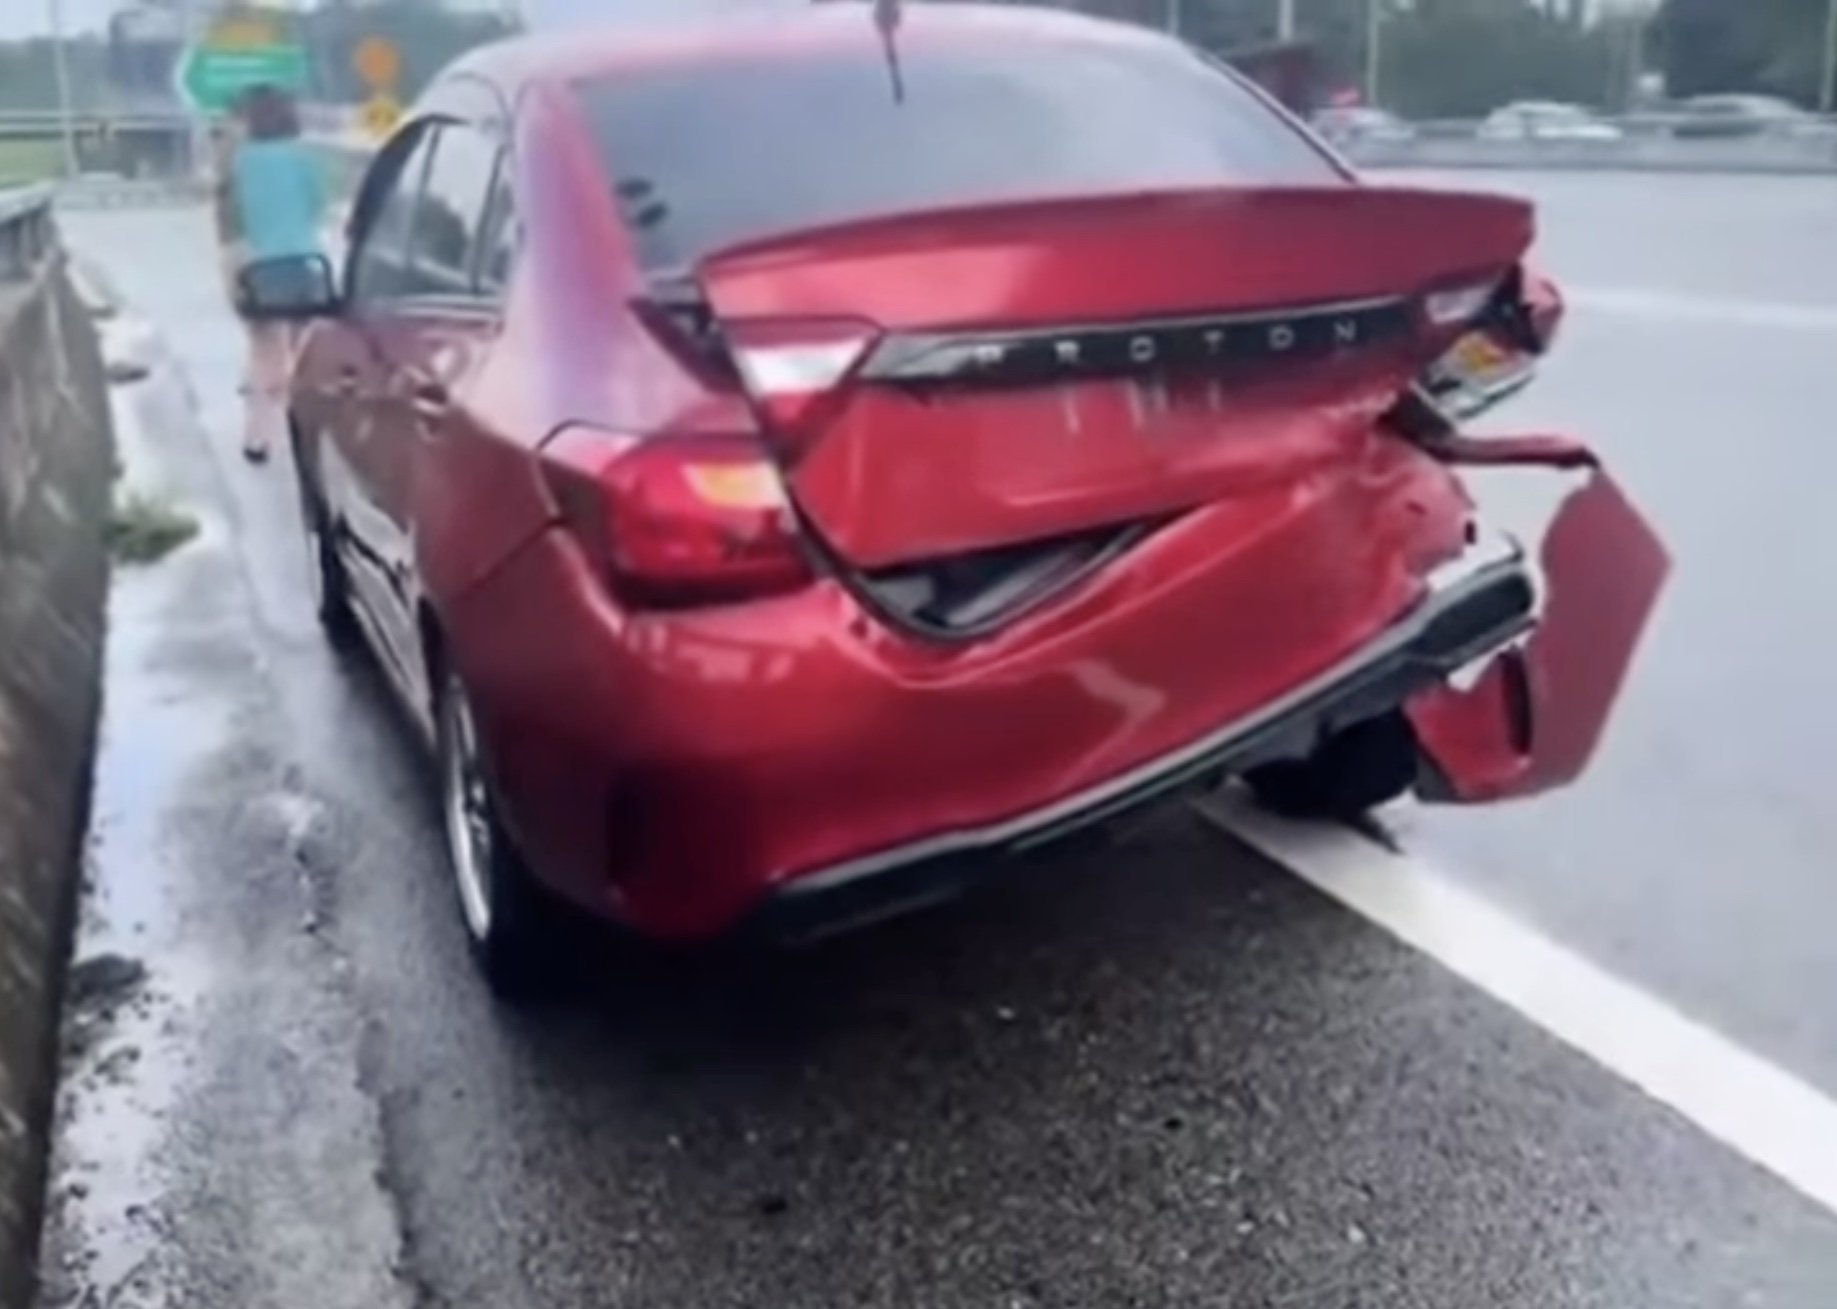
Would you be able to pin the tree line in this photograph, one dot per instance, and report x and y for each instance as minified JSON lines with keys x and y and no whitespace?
{"x":1777,"y":47}
{"x":1460,"y":58}
{"x":1438,"y":58}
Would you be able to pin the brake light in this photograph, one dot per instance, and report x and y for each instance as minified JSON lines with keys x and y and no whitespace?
{"x":1543,"y":303}
{"x":792,"y":369}
{"x":677,"y":520}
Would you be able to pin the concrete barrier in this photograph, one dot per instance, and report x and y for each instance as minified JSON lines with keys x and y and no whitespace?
{"x":55,"y":465}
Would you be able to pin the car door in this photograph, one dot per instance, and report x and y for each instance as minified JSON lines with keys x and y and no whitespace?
{"x":359,"y":413}
{"x":435,"y":339}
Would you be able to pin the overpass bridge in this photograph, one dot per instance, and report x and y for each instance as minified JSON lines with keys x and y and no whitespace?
{"x":144,"y":142}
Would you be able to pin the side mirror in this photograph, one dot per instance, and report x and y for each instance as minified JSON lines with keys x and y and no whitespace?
{"x":298,"y":286}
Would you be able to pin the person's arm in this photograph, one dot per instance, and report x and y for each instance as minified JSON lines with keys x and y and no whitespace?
{"x":318,"y":194}
{"x":229,"y":214}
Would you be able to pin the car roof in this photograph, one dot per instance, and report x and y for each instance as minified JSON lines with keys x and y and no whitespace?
{"x":605,"y":50}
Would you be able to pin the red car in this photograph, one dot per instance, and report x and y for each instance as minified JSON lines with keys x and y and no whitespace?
{"x":787,"y":466}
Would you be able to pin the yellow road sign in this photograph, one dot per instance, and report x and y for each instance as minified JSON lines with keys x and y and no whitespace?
{"x":379,"y":116}
{"x":378,"y":63}
{"x":241,"y":33}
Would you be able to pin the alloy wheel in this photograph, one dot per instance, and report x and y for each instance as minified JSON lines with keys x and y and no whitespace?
{"x":471,"y":842}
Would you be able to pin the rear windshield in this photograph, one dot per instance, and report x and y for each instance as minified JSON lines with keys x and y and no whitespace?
{"x":707,"y":157}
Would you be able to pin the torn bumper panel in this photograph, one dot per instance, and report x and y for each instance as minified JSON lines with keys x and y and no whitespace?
{"x":1534,"y":719}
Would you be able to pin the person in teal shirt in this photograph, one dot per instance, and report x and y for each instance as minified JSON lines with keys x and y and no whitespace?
{"x":273,"y":207}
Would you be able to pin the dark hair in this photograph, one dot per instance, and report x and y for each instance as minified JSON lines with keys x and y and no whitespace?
{"x":270,"y":113}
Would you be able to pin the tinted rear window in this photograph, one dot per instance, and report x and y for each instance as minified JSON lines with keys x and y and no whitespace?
{"x":701,"y":158}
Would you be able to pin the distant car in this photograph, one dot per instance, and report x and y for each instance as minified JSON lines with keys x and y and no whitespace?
{"x":1723,"y":116}
{"x":778,"y":489}
{"x":1546,"y":120}
{"x":1352,"y":124}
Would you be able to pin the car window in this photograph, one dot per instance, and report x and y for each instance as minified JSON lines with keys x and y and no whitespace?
{"x":379,"y":264}
{"x":701,"y":158}
{"x":444,"y":248}
{"x":501,"y":240}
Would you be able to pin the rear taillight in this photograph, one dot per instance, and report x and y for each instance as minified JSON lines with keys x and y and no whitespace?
{"x":677,"y":520}
{"x":793,"y":370}
{"x":1543,"y":306}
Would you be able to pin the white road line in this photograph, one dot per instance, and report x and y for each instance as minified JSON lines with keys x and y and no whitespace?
{"x":1708,"y":310}
{"x":1765,"y":1114}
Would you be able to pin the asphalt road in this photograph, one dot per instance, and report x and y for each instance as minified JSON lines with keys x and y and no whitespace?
{"x":1700,"y":857}
{"x":1162,"y":1073}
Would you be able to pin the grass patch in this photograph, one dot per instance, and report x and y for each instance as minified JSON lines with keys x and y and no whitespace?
{"x":142,"y":530}
{"x":27,"y":160}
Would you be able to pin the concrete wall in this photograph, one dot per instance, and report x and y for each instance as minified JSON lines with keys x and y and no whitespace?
{"x":55,"y":468}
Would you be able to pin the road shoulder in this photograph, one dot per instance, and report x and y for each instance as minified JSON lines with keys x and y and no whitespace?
{"x":216,"y":1142}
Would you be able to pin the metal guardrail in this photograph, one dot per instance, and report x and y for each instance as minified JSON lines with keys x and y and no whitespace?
{"x":1657,"y":122}
{"x":138,"y":144}
{"x":314,"y":116}
{"x":34,"y":123}
{"x":27,"y":234}
{"x":1652,"y":142}
{"x":134,"y":113}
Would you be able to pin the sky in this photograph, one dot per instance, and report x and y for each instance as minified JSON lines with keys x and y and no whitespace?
{"x":561,"y":14}
{"x":32,"y":17}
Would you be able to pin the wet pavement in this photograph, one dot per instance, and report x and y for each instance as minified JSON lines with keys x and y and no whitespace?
{"x":1163,"y":1072}
{"x":215,"y":1146}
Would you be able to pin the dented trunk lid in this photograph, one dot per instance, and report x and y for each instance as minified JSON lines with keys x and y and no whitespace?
{"x":966,"y":379}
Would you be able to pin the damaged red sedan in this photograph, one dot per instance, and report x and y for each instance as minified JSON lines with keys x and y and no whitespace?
{"x":788,"y":466}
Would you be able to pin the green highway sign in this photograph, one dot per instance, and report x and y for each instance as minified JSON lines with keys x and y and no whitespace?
{"x":210,"y":78}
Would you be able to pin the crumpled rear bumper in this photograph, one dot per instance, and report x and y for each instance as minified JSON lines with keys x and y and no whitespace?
{"x":1474,"y":606}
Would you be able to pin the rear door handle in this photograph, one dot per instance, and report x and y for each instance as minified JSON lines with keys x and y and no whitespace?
{"x":430,"y":399}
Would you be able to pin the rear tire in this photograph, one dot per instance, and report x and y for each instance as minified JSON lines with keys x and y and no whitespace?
{"x":510,"y":923}
{"x":1350,"y":773}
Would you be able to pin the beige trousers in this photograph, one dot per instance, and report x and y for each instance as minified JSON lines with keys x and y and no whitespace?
{"x":267,"y":371}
